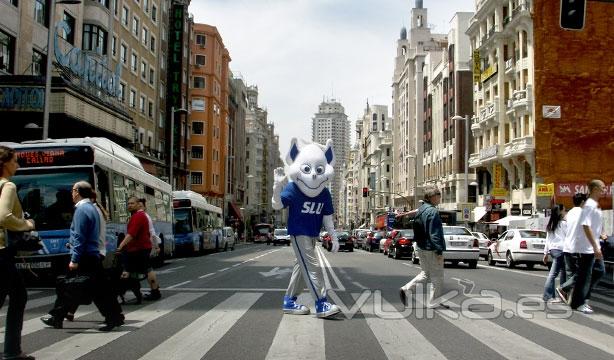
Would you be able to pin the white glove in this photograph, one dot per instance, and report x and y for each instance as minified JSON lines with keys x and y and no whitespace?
{"x":279,"y":178}
{"x":334,"y":243}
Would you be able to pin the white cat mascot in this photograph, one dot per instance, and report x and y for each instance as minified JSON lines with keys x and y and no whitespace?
{"x":309,"y":203}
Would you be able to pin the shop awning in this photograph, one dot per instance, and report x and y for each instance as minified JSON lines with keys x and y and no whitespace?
{"x":478,"y":213}
{"x":236,"y":210}
{"x":506,"y":220}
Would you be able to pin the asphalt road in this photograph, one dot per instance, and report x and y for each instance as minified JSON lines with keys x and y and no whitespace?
{"x":228,"y":306}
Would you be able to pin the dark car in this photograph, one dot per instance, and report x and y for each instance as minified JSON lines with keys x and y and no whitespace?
{"x":346,"y":242}
{"x":401,"y":244}
{"x":372,"y":241}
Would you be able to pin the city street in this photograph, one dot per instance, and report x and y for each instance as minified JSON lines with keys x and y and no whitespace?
{"x":228,"y":306}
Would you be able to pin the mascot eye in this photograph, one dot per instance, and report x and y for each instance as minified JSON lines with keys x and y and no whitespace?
{"x":320,"y":170}
{"x":306,"y":168}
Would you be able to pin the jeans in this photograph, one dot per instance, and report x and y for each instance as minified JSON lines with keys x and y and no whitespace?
{"x":571,"y":267}
{"x":558,"y":267}
{"x":598,"y":272}
{"x":12,"y":285}
{"x":583,"y":280}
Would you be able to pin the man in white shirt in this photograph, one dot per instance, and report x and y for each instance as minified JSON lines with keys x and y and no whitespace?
{"x":586,"y":244}
{"x":571,"y":258}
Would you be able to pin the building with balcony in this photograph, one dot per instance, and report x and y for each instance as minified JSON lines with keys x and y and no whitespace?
{"x":331,"y":122}
{"x":208,"y":122}
{"x":351,"y":193}
{"x":408,"y":110}
{"x":236,"y":180}
{"x":501,"y":37}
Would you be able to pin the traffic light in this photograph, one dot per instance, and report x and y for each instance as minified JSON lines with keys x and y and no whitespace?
{"x":573,"y":13}
{"x":365,"y":192}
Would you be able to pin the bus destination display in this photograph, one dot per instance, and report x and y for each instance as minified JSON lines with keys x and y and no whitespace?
{"x":55,"y":156}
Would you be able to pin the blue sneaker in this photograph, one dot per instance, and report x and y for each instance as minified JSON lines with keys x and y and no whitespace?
{"x":291,"y":307}
{"x":325,"y":309}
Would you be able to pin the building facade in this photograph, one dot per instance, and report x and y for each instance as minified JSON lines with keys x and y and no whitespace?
{"x":236,"y":180}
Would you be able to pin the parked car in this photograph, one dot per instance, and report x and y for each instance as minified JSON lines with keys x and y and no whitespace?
{"x":322,"y":235}
{"x":484,"y":242}
{"x":280,"y":237}
{"x":228,"y":238}
{"x":263,"y":233}
{"x":345,"y":241}
{"x":518,"y":246}
{"x":361,"y":237}
{"x":401,"y":244}
{"x":372,"y":241}
{"x":461,"y":246}
{"x":382,"y":243}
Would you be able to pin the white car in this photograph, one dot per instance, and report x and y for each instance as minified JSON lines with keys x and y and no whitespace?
{"x":518,"y":246}
{"x":461,"y":246}
{"x":280,"y":236}
{"x":484,"y":242}
{"x":229,"y":239}
{"x":382,"y":242}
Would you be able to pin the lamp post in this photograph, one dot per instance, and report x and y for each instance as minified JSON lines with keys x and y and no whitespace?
{"x":172,"y":165}
{"x":466,"y":119}
{"x":48,"y":71}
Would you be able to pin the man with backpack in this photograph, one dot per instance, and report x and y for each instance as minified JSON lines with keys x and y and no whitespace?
{"x":428,"y":234}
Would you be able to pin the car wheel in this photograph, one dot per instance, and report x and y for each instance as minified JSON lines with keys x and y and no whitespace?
{"x":530,"y":266}
{"x":396,"y":254}
{"x":472,"y":264}
{"x":414,"y":259}
{"x":351,"y":249}
{"x":509,"y":261}
{"x":390,"y":253}
{"x":490,"y":259}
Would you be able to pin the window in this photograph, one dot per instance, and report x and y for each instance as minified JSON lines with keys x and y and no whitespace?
{"x":161,"y":121}
{"x":146,"y":6}
{"x":200,"y":60}
{"x":104,"y":3}
{"x":142,"y":104}
{"x":196,"y":177}
{"x":40,"y":12}
{"x":199,"y":82}
{"x":150,"y":109}
{"x":143,"y":69}
{"x":125,"y":16}
{"x":201,"y":40}
{"x":122,"y":92}
{"x":38,"y":63}
{"x":69,"y":36}
{"x":94,"y":39}
{"x":198,"y":104}
{"x":197,"y":152}
{"x":152,"y":76}
{"x":115,"y":7}
{"x":135,"y":26}
{"x":122,"y":53}
{"x":198,"y":128}
{"x":152,"y":43}
{"x":144,"y":35}
{"x":133,"y":62}
{"x":114,"y":46}
{"x":154,"y":13}
{"x":132,"y":98}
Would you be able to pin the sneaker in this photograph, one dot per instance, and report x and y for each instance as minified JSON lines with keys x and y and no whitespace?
{"x":555,"y":301}
{"x":291,"y":307}
{"x":52,"y":321}
{"x":153,"y":295}
{"x":585,"y":309}
{"x":325,"y":309}
{"x":562,"y":295}
{"x":111,"y":324}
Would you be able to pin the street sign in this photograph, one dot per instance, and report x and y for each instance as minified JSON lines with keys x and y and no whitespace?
{"x":551,"y":112}
{"x":466,"y":210}
{"x":545,"y":189}
{"x":498,"y":192}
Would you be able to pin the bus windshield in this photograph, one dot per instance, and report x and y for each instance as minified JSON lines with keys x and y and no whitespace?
{"x":46,"y":195}
{"x":183,"y":221}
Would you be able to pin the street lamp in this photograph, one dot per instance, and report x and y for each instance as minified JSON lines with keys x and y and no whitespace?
{"x":466,"y":119}
{"x":52,"y":5}
{"x":172,"y":165}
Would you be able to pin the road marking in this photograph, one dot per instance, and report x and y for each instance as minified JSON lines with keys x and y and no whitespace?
{"x":196,"y":339}
{"x":235,"y":265}
{"x":206,"y":275}
{"x":34,"y":325}
{"x":340,"y":286}
{"x":178,"y":285}
{"x":170,"y":270}
{"x":224,"y":269}
{"x":31,"y":304}
{"x":359,"y":285}
{"x":228,"y":289}
{"x":91,"y":339}
{"x":299,"y":336}
{"x":511,"y":270}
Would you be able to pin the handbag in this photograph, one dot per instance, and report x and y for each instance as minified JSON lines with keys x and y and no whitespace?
{"x":27,"y":241}
{"x":76,"y":288}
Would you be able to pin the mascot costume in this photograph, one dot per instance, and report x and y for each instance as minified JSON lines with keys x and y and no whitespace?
{"x":310,"y":167}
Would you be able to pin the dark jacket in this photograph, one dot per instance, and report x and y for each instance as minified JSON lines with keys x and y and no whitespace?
{"x":428,"y":229}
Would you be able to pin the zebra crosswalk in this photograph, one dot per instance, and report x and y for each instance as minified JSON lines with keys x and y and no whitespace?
{"x":208,"y":318}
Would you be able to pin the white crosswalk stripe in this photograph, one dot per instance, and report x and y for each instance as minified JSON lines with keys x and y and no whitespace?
{"x":34,"y":303}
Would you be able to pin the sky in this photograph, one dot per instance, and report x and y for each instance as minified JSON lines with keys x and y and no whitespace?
{"x":300,"y":52}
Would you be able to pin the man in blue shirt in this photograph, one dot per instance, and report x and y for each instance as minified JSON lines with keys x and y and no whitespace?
{"x":85,"y":263}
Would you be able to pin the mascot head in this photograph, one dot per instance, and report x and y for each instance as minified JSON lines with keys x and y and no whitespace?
{"x":310,"y":166}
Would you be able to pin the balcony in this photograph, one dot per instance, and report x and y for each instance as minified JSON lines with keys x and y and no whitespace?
{"x":509,"y":66}
{"x":489,"y":153}
{"x":522,"y":99}
{"x":489,"y":114}
{"x":475,"y":126}
{"x":519,"y":146}
{"x":474,"y":161}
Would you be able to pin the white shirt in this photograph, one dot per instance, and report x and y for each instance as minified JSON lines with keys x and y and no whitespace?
{"x":102,"y":248}
{"x":155,"y":240}
{"x":591,"y":217}
{"x":572,"y":218}
{"x":555,"y":239}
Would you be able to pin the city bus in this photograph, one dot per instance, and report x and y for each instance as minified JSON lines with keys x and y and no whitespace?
{"x":48,"y":170}
{"x":406,"y":220}
{"x":198,"y":224}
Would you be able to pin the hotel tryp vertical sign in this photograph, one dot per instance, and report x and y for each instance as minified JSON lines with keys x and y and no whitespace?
{"x":175,"y":55}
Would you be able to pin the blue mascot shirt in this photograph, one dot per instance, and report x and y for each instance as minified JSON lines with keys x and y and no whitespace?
{"x":305,"y":213}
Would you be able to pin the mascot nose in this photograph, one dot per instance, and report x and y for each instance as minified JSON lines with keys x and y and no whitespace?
{"x":313,"y":176}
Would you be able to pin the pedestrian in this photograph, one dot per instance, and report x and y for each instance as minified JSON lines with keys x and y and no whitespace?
{"x":85,"y":263}
{"x":428,"y":234}
{"x":587,"y":245}
{"x":136,"y":246}
{"x":310,"y":206}
{"x":598,"y":271}
{"x":11,"y":282}
{"x":571,"y":258}
{"x":555,"y":237}
{"x":155,"y":245}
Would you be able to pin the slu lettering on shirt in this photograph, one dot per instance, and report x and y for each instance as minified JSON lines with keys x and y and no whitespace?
{"x":305,"y":213}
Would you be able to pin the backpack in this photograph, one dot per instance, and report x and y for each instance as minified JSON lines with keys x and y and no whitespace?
{"x":420,"y":234}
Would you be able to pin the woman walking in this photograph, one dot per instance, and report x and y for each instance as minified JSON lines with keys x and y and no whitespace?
{"x":555,"y":237}
{"x":11,"y":282}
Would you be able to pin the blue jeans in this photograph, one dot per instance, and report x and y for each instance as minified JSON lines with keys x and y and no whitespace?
{"x":598,"y":272}
{"x":558,"y":267}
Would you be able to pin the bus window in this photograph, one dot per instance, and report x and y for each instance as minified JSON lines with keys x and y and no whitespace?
{"x":120,"y":197}
{"x":183,"y":222}
{"x":103,"y":195}
{"x":166,"y":202}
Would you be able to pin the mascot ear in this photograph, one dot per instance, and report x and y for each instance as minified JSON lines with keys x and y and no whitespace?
{"x":329,"y":153}
{"x":293,"y":153}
